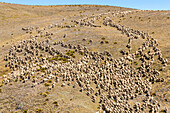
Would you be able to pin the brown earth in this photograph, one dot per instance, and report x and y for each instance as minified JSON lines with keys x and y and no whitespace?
{"x":13,"y":17}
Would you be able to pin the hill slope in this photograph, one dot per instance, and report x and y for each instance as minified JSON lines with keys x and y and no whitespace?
{"x":83,"y":58}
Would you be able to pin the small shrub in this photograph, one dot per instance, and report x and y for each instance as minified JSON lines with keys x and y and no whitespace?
{"x":153,"y":32}
{"x":103,"y":38}
{"x":46,"y":92}
{"x":25,"y":111}
{"x":130,"y":17}
{"x":1,"y":85}
{"x":46,"y":99}
{"x":74,"y":56}
{"x":115,"y":42}
{"x":137,"y":56}
{"x":38,"y":110}
{"x":46,"y":84}
{"x":106,"y":41}
{"x":12,"y":34}
{"x":81,"y":53}
{"x":20,"y":86}
{"x":38,"y":69}
{"x":44,"y":103}
{"x":42,"y":69}
{"x":136,"y":63}
{"x":163,"y":111}
{"x":45,"y":95}
{"x":0,"y":90}
{"x":55,"y":103}
{"x":164,"y":94}
{"x":154,"y":94}
{"x":138,"y":68}
{"x":168,"y":17}
{"x":49,"y":81}
{"x":30,"y":32}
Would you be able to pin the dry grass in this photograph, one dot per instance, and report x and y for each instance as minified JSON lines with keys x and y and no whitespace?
{"x":68,"y":98}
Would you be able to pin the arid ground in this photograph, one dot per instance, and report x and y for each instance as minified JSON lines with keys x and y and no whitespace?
{"x":18,"y":96}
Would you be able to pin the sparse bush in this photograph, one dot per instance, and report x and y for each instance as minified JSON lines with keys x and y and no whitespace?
{"x":45,"y":94}
{"x":20,"y":86}
{"x":46,"y":99}
{"x":25,"y":111}
{"x":136,"y":63}
{"x":81,"y":53}
{"x":163,"y":111}
{"x":153,"y":32}
{"x":154,"y":94}
{"x":164,"y":94}
{"x":106,"y":41}
{"x":0,"y":90}
{"x":49,"y":81}
{"x":168,"y":17}
{"x":38,"y":110}
{"x":130,"y":17}
{"x":1,"y":85}
{"x":55,"y":103}
{"x":103,"y":38}
{"x":70,"y":53}
{"x":42,"y":70}
{"x":46,"y":84}
{"x":137,"y":56}
{"x":115,"y":42}
{"x":138,"y":68}
{"x":74,"y":56}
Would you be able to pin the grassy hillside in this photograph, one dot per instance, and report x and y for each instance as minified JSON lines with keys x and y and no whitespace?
{"x":28,"y":95}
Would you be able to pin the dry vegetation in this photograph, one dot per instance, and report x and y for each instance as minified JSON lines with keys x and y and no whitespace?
{"x":22,"y":97}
